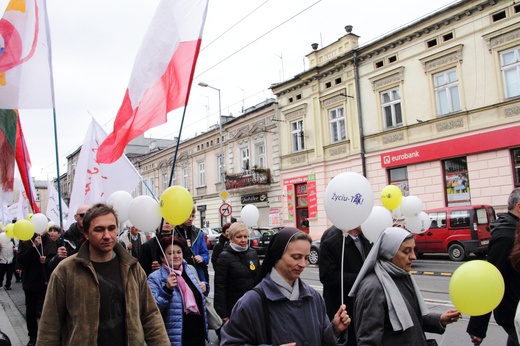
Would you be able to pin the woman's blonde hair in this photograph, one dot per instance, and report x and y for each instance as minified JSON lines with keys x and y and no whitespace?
{"x":235,"y":228}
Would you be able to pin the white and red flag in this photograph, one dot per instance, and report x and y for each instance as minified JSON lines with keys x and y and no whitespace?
{"x":25,"y":68}
{"x":95,"y":182}
{"x":162,"y":73}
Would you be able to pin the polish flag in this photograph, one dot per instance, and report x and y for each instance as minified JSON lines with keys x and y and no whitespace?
{"x":162,"y":73}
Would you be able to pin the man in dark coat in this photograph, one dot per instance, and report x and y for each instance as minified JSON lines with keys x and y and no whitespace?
{"x":148,"y":258}
{"x":499,"y":249}
{"x":331,"y":248}
{"x":73,"y":237}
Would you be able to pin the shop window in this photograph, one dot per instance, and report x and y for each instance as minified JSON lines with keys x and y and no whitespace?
{"x":457,"y":182}
{"x":515,"y":156}
{"x":399,"y":178}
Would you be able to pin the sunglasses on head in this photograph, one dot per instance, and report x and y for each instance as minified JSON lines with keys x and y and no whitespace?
{"x":81,"y":215}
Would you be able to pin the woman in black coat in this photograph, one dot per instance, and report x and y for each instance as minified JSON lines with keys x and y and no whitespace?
{"x":236,"y":270}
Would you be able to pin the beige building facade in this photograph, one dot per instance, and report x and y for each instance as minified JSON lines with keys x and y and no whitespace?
{"x":224,"y":174}
{"x":433,"y":107}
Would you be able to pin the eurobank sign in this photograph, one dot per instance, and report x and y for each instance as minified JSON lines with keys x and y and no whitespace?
{"x":470,"y":144}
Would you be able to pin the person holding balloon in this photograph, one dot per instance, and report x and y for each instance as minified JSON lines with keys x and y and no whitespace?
{"x":389,"y":308}
{"x":500,"y":249}
{"x":179,"y":295}
{"x":282,"y":309}
{"x":148,"y":258}
{"x":31,"y":260}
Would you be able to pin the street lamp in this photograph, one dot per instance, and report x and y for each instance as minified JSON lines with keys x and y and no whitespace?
{"x":206,"y":85}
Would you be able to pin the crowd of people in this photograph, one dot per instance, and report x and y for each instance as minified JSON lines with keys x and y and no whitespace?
{"x":135,"y":291}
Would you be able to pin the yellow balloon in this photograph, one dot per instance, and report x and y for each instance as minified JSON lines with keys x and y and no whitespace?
{"x":176,"y":205}
{"x":29,"y":216}
{"x":476,"y":288}
{"x":391,"y":197}
{"x":9,"y":230}
{"x":23,"y":229}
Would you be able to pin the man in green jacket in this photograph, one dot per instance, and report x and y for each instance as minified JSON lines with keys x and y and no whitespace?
{"x":100,"y":296}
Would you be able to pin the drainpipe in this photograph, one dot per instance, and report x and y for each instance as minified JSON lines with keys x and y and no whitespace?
{"x":360,"y":116}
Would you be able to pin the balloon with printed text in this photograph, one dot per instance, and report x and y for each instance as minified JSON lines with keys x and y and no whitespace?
{"x":348,"y":200}
{"x":391,"y":197}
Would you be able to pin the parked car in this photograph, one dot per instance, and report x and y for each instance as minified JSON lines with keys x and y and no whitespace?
{"x":315,"y":252}
{"x":212,"y":236}
{"x":271,"y":230}
{"x":259,"y":240}
{"x":458,"y":231}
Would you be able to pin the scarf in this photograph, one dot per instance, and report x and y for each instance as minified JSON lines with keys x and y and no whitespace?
{"x":291,"y":293}
{"x":398,"y":312}
{"x":188,"y":298}
{"x":238,"y":248}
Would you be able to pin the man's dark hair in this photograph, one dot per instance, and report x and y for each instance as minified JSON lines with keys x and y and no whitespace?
{"x":97,"y":210}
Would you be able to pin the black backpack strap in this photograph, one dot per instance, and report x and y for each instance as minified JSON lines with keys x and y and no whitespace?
{"x":265,"y":309}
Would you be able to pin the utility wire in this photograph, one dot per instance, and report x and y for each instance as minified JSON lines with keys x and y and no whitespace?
{"x":231,"y":27}
{"x":258,"y":38}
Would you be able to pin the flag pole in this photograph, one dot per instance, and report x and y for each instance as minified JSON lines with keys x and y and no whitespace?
{"x":47,"y":29}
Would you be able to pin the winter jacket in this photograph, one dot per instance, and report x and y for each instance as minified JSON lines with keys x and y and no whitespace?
{"x":125,"y":239}
{"x":70,"y":313}
{"x":234,"y":275}
{"x":303,"y":321}
{"x":373,"y":325}
{"x":34,"y":273}
{"x":499,"y":250}
{"x":73,"y":239}
{"x":170,"y":304}
{"x":198,"y":247}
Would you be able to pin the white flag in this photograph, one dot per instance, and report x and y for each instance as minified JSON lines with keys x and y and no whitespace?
{"x":95,"y":182}
{"x":20,"y":209}
{"x":53,"y":207}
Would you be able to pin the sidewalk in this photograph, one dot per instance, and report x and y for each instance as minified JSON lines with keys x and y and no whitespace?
{"x":12,"y":322}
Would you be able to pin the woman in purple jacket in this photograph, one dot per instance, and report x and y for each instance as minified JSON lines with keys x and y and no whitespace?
{"x":282,"y":309}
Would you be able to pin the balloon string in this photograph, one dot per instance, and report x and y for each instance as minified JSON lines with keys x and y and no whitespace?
{"x":342,"y":265}
{"x":39,"y":254}
{"x":164,"y":255}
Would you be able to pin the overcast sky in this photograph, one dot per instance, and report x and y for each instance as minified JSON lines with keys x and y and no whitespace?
{"x":94,"y":44}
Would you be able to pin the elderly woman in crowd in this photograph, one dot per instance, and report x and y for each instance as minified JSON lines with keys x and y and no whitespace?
{"x":179,"y":295}
{"x":282,"y":309}
{"x":236,"y":269}
{"x":389,"y":308}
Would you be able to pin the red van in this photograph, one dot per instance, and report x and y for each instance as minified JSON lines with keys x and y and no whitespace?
{"x":458,"y":231}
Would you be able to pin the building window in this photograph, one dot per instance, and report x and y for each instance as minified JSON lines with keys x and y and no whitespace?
{"x":220,"y":168}
{"x":185,"y":177}
{"x":510,"y":66}
{"x":337,"y":125}
{"x":399,"y":178}
{"x":244,"y":156}
{"x":447,"y":91}
{"x":391,"y":108}
{"x":260,"y":160}
{"x":515,"y":156}
{"x":457,"y":182}
{"x":202,"y":174}
{"x":165,"y":181}
{"x":297,"y":136}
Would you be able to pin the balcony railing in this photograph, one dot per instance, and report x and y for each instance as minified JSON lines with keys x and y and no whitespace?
{"x":250,"y":177}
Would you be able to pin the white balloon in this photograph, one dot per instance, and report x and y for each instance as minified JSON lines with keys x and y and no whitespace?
{"x":4,"y":239}
{"x":379,"y":219}
{"x":120,"y":200}
{"x":411,"y":206}
{"x":39,"y":222}
{"x":250,"y":215}
{"x":396,"y":213}
{"x":144,"y":213}
{"x":419,"y":223}
{"x":348,"y":201}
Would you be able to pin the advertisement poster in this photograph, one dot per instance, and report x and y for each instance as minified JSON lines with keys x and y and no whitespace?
{"x":274,"y":217}
{"x":290,"y":202}
{"x":312,"y":199}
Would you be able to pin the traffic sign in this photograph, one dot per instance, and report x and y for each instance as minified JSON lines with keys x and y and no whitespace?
{"x":224,"y":195}
{"x":225,"y":209}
